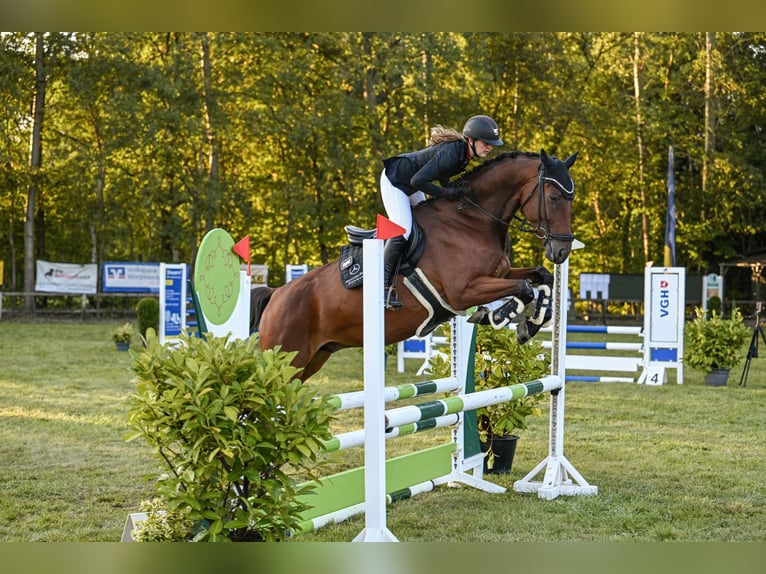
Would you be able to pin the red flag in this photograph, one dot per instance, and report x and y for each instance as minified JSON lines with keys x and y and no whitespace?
{"x":242,"y":248}
{"x":388,"y":229}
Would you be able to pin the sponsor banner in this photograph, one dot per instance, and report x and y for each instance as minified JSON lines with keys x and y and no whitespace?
{"x":665,"y":308}
{"x":130,"y":277}
{"x":172,"y":301}
{"x":295,"y":271}
{"x":712,"y":286}
{"x":66,"y":277}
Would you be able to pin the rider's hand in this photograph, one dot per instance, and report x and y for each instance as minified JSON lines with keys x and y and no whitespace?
{"x":452,"y":193}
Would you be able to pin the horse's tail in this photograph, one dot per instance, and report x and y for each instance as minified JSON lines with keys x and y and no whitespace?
{"x":259,"y":298}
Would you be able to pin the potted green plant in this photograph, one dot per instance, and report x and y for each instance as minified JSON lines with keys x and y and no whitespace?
{"x":500,"y":361}
{"x":713,"y":344}
{"x":122,"y":336}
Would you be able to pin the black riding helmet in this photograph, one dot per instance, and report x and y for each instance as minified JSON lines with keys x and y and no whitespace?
{"x":483,"y":128}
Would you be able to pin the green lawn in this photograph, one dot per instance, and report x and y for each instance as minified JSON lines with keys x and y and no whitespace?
{"x":677,"y":462}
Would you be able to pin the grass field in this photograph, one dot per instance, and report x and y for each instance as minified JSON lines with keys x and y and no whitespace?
{"x":672,"y":463}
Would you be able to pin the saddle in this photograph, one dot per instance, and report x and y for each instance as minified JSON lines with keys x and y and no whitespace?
{"x":350,"y":260}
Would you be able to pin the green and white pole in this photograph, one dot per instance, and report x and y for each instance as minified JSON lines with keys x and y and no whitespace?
{"x":469,"y":402}
{"x":355,"y":438}
{"x":355,"y":399}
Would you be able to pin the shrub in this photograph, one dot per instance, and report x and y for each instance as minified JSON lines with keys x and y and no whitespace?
{"x":713,"y":342}
{"x":501,"y":361}
{"x":714,"y":304}
{"x":148,"y":315}
{"x":123,"y":333}
{"x":233,"y":427}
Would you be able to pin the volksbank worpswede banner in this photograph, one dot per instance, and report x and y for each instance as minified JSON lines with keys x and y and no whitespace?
{"x":130,"y":277}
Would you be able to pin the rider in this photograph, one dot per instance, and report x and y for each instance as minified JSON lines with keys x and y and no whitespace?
{"x":408,"y":177}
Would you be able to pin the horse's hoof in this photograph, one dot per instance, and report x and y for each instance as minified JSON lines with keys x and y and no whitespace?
{"x":479,"y":316}
{"x":532,"y":329}
{"x":522,"y":333}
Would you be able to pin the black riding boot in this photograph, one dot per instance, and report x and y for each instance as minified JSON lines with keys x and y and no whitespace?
{"x":391,"y":253}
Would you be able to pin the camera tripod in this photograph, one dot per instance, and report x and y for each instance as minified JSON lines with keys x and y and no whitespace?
{"x":752,"y":352}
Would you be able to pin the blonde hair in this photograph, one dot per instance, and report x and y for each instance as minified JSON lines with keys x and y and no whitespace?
{"x":441,"y":134}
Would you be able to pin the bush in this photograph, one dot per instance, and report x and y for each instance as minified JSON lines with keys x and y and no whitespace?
{"x":123,"y":333}
{"x":148,"y":315}
{"x":233,"y":427}
{"x":713,"y":342}
{"x":500,"y":361}
{"x":714,"y":304}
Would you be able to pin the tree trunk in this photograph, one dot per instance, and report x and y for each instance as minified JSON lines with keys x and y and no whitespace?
{"x":35,"y":164}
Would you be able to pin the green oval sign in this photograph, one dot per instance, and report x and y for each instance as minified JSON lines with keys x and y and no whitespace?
{"x":216,"y":276}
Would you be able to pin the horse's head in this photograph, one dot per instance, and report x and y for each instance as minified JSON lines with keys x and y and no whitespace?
{"x":548,"y":206}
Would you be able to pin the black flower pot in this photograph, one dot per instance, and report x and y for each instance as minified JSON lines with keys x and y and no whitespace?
{"x":717,"y":377}
{"x":503,"y":449}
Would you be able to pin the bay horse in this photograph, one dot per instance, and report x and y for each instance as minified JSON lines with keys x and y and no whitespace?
{"x":465,"y":259}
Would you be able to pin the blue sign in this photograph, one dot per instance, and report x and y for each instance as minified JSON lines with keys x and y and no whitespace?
{"x":130,"y":277}
{"x":174,"y":301}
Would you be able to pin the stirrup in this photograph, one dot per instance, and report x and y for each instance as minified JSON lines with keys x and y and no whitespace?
{"x":391,"y":301}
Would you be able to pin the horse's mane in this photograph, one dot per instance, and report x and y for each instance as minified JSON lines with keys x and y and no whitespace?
{"x":502,"y":156}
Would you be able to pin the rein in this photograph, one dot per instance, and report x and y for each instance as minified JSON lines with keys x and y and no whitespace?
{"x":524,"y":225}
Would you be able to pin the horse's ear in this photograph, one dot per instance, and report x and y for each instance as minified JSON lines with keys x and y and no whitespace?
{"x":569,"y":162}
{"x":543,"y":155}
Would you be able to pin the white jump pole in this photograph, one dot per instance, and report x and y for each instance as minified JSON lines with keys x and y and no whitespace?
{"x":559,"y":472}
{"x":375,"y":529}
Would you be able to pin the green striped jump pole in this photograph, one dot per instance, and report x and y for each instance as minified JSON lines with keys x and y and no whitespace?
{"x":346,"y":513}
{"x":469,"y":402}
{"x":405,"y":391}
{"x":355,"y":438}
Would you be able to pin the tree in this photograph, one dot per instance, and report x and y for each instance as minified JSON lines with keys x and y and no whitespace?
{"x":35,"y":166}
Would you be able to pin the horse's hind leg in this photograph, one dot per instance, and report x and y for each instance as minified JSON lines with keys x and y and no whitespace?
{"x":316,"y":362}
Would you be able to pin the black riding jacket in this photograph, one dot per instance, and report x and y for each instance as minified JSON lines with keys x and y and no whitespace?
{"x":417,"y":170}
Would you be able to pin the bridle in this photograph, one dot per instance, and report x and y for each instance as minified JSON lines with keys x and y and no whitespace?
{"x":524,"y":224}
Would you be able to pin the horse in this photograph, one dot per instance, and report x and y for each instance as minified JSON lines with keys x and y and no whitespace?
{"x":464,"y":264}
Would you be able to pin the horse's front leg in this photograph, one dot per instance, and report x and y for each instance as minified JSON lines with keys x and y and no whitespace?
{"x":519,"y":298}
{"x":482,"y":290}
{"x":543,"y":311}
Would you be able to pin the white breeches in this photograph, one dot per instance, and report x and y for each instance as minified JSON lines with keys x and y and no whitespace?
{"x":398,"y":204}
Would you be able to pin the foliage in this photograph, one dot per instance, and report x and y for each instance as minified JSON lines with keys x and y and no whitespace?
{"x":714,"y":304}
{"x":148,"y":315}
{"x":713,"y":342}
{"x":129,"y":115}
{"x":163,"y":525}
{"x":123,"y":333}
{"x":232,"y":425}
{"x":499,"y":362}
{"x":502,"y":361}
